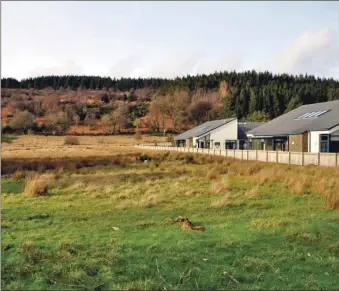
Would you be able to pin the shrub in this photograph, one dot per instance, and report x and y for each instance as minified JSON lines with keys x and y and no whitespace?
{"x":18,"y":174}
{"x":332,"y":199}
{"x":211,"y":174}
{"x":35,"y":186}
{"x":144,"y":157}
{"x":138,"y":136}
{"x":71,"y":140}
{"x":58,"y":172}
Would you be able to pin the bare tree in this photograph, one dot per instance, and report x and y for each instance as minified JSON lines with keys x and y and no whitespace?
{"x":22,"y":120}
{"x":176,"y":107}
{"x":200,"y":111}
{"x":117,"y":118}
{"x":60,"y":121}
{"x":90,"y":119}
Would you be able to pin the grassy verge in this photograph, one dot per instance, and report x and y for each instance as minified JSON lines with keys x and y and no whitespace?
{"x":106,"y":228}
{"x":7,"y":138}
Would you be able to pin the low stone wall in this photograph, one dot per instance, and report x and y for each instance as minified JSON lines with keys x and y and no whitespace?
{"x":293,"y":158}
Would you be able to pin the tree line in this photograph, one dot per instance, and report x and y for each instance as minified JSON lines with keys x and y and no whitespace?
{"x":247,"y":95}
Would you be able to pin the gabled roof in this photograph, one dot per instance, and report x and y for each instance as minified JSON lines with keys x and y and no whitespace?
{"x":243,"y":128}
{"x":202,"y":129}
{"x":288,"y":124}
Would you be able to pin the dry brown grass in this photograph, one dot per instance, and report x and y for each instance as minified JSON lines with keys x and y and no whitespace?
{"x":36,"y":185}
{"x":221,"y":186}
{"x":33,"y":146}
{"x":253,"y":192}
{"x":224,"y":201}
{"x":212,"y":174}
{"x":58,"y":172}
{"x":18,"y":174}
{"x":71,"y":140}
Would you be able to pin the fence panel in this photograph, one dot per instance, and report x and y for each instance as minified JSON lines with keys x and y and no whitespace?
{"x":294,"y":158}
{"x":327,"y":159}
{"x":262,"y":156}
{"x":283,"y":157}
{"x":311,"y":159}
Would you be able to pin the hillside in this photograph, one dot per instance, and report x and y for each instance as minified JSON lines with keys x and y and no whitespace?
{"x":96,"y":105}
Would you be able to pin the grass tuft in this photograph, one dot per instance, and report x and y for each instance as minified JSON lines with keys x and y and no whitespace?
{"x":36,"y":185}
{"x":71,"y":140}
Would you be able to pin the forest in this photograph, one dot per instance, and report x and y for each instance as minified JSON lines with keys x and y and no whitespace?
{"x":189,"y":100}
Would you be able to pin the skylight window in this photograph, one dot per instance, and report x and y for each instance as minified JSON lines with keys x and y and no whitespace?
{"x":311,"y":114}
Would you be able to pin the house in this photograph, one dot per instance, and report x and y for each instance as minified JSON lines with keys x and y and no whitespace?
{"x":223,"y":133}
{"x":308,"y":128}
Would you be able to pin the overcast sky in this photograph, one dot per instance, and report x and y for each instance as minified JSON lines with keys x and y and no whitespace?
{"x":168,"y":39}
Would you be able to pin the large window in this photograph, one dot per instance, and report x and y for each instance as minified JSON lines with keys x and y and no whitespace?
{"x":324,"y":143}
{"x":231,"y":144}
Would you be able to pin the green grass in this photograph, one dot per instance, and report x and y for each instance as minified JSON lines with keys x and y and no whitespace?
{"x":65,"y":240}
{"x":7,"y":138}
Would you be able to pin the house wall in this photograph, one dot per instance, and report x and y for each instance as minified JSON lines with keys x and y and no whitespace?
{"x":189,"y":142}
{"x":298,"y":142}
{"x":228,"y":131}
{"x":315,"y":139}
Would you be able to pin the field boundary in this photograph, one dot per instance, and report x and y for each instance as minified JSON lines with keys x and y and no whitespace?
{"x":290,"y":158}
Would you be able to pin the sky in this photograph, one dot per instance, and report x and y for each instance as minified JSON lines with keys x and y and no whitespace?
{"x":168,"y":39}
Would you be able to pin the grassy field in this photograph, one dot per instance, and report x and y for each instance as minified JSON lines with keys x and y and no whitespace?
{"x":32,"y":146}
{"x":266,"y":226}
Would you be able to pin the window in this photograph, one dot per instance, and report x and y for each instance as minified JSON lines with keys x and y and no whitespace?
{"x":312,"y":114}
{"x":230,"y":144}
{"x":324,"y":143}
{"x":217,"y":144}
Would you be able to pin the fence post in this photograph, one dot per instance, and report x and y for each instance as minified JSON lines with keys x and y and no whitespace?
{"x":276,"y":156}
{"x":336,"y":159}
{"x":318,"y":159}
{"x":266,"y":156}
{"x":302,"y":158}
{"x":247,"y":155}
{"x":256,"y":155}
{"x":242,"y":154}
{"x":289,"y":157}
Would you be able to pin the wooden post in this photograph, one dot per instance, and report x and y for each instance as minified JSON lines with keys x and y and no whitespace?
{"x":247,"y":155}
{"x":302,"y":158}
{"x":234,"y":154}
{"x":289,"y":157}
{"x":336,"y":159}
{"x":256,"y":155}
{"x":242,"y":154}
{"x":276,"y":156}
{"x":318,"y":159}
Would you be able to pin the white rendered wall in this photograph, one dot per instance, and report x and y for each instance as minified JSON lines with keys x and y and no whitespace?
{"x":228,"y":131}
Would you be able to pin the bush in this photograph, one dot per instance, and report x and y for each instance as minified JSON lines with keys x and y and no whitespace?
{"x":71,"y":140}
{"x":35,"y":186}
{"x":138,"y":136}
{"x":7,"y":138}
{"x":18,"y":174}
{"x":144,"y":157}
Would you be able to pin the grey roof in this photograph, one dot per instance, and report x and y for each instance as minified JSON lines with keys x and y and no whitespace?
{"x":243,"y":128}
{"x":287,"y":124}
{"x":202,"y":128}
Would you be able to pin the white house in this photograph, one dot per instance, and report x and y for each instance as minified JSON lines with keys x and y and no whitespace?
{"x":223,"y":133}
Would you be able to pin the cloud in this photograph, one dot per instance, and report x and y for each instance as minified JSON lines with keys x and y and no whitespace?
{"x":66,"y":68}
{"x":196,"y":63}
{"x":125,"y":67}
{"x":314,"y":52}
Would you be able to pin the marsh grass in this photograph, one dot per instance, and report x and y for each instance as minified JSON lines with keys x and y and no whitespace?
{"x":261,"y":232}
{"x":36,"y":185}
{"x":71,"y":140}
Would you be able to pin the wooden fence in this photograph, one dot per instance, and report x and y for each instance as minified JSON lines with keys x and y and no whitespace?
{"x":293,"y":158}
